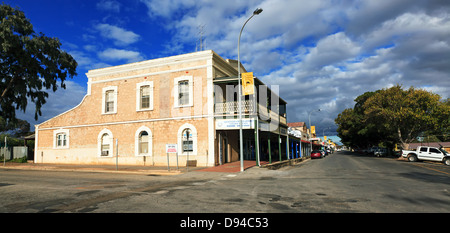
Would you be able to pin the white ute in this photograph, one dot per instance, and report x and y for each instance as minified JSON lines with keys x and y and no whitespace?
{"x":427,"y":153}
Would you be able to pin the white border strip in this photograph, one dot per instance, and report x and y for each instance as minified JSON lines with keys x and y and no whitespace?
{"x":126,"y":122}
{"x":148,"y":74}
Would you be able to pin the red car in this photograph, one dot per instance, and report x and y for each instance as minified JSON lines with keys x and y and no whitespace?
{"x":316,"y":154}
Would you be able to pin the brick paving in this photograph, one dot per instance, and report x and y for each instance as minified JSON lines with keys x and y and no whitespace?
{"x":160,"y":170}
{"x":232,"y":167}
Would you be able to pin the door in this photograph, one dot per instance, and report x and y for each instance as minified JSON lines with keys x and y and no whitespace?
{"x":225,"y":150}
{"x":422,"y":153}
{"x":220,"y":149}
{"x":435,"y":154}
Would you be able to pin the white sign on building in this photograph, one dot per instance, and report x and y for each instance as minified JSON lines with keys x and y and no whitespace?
{"x":234,"y":124}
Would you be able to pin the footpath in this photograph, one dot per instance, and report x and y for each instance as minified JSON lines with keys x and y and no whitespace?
{"x":146,"y":170}
{"x":233,"y":167}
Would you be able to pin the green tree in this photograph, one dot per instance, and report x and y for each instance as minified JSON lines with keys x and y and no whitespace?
{"x":29,"y":62}
{"x":348,"y":127}
{"x":394,"y":115}
{"x":355,"y":129}
{"x":18,"y":127}
{"x":442,"y":132}
{"x":404,"y":114}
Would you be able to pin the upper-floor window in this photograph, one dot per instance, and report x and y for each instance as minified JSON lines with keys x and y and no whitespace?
{"x":183,"y":96}
{"x":144,"y":96}
{"x":183,"y":92}
{"x":109,"y":100}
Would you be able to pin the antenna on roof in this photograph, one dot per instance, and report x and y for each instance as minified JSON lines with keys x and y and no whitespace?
{"x":200,"y":44}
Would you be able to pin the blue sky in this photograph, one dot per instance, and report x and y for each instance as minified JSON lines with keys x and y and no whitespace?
{"x":322,"y":54}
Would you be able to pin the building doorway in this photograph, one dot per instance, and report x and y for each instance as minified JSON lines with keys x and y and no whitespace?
{"x":223,"y":149}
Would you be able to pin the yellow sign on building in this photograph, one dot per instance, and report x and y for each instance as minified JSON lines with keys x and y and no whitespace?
{"x":313,"y":129}
{"x":248,"y":84}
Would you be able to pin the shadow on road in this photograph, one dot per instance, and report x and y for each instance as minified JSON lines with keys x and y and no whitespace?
{"x":437,"y":202}
{"x":433,"y":178}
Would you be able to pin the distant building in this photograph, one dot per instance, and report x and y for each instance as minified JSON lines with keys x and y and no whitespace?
{"x":300,"y":140}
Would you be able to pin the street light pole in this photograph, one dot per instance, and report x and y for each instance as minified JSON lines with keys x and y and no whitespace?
{"x":310,"y":133}
{"x":241,"y":146}
{"x":323,"y":133}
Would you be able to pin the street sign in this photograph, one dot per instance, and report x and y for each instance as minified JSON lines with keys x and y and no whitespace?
{"x":247,"y":84}
{"x":171,"y":148}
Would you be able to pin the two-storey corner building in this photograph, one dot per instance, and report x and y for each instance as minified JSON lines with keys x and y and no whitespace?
{"x":263,"y":122}
{"x":134,"y":110}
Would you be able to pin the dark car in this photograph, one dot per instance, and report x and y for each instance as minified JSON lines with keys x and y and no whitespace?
{"x":316,"y":154}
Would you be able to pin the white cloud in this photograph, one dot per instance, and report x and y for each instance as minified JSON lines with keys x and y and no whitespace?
{"x":168,"y":7}
{"x":322,"y":53}
{"x":109,"y":5}
{"x":57,"y":103}
{"x":333,"y":49}
{"x":111,"y":54}
{"x":120,"y":36}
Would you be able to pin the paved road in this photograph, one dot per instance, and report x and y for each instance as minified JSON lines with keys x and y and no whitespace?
{"x":341,"y":182}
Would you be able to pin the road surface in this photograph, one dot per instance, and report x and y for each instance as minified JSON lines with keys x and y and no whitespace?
{"x":343,"y":182}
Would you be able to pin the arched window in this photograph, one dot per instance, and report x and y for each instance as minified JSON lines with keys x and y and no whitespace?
{"x":105,"y":143}
{"x":143,"y":142}
{"x":187,"y":140}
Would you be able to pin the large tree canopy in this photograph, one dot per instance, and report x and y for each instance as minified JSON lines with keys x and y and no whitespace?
{"x":393,"y":115}
{"x":29,"y":62}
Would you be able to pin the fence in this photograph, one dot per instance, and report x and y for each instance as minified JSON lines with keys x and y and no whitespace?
{"x":15,"y":152}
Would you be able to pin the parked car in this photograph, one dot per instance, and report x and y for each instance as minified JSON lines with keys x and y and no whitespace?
{"x":316,"y":154}
{"x":427,"y":153}
{"x":372,"y":150}
{"x":380,"y":152}
{"x":323,"y":153}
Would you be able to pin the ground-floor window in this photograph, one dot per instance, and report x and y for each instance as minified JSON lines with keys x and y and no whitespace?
{"x":187,"y":139}
{"x":105,"y":143}
{"x":143,"y":142}
{"x":61,"y":139}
